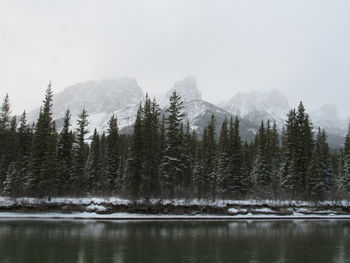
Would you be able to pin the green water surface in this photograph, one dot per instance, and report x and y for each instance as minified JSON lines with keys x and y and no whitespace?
{"x":163,"y":241}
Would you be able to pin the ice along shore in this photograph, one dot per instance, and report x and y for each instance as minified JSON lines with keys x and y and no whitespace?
{"x":178,"y":209}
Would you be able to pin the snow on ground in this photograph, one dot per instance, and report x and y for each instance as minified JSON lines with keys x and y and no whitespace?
{"x":237,"y":211}
{"x":130,"y":216}
{"x":8,"y":202}
{"x":96,"y":208}
{"x":264,"y":210}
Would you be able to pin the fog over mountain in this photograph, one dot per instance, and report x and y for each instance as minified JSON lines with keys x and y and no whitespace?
{"x":122,"y":97}
{"x":298,"y":47}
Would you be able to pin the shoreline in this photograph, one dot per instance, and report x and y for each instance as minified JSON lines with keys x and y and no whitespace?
{"x":114,"y":208}
{"x":4,"y":216}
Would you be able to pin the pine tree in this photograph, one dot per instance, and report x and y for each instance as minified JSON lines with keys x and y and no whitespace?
{"x":113,"y":156}
{"x":347,"y":142}
{"x":261,"y":172}
{"x":42,"y":161}
{"x":223,"y":168}
{"x":65,"y":156}
{"x":326,"y":163}
{"x":209,"y":160}
{"x":320,"y":175}
{"x":346,"y":169}
{"x":5,"y":112}
{"x":170,"y":168}
{"x":78,"y":179}
{"x":24,"y":140}
{"x":133,"y":168}
{"x":93,"y":168}
{"x":248,"y":157}
{"x":273,"y":155}
{"x":13,"y":184}
{"x":103,"y":161}
{"x":235,"y":185}
{"x":197,"y":177}
{"x":5,"y":150}
{"x":48,"y":174}
{"x":339,"y":163}
{"x":151,"y":157}
{"x":187,"y":158}
{"x":297,"y":151}
{"x":305,"y":146}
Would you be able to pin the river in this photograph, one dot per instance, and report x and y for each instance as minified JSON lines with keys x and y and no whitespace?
{"x":35,"y":241}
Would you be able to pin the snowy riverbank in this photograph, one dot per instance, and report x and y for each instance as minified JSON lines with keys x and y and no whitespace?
{"x":118,"y":208}
{"x":131,"y":216}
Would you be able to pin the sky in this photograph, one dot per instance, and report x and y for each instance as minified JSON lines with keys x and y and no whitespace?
{"x":299,"y":47}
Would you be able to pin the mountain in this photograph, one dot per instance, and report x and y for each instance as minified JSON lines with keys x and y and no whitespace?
{"x":123,"y":96}
{"x":198,"y":112}
{"x":257,"y":106}
{"x":101,"y":99}
{"x":328,"y":118}
{"x":187,"y":88}
{"x":274,"y":106}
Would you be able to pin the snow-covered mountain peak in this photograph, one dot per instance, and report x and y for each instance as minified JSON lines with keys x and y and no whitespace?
{"x":258,"y":105}
{"x":101,"y":99}
{"x":98,"y":96}
{"x":186,"y":88}
{"x":327,"y":117}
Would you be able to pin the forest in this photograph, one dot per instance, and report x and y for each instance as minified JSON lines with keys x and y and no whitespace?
{"x":164,"y":158}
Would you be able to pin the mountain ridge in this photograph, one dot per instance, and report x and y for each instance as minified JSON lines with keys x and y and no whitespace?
{"x":122,"y":97}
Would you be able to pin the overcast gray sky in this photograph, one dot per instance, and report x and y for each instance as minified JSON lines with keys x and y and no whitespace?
{"x":300,"y":47}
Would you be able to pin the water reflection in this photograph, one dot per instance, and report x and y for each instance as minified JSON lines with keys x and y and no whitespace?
{"x":130,"y":242}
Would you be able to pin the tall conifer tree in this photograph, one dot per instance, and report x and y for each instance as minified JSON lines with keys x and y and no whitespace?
{"x":78,"y":178}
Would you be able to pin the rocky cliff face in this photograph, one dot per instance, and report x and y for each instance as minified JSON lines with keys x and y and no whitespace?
{"x":101,"y":99}
{"x":257,"y":106}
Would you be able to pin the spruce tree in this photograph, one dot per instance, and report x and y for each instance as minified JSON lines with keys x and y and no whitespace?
{"x":297,"y":151}
{"x":248,"y":157}
{"x":151,"y":152}
{"x":113,"y":156}
{"x":133,"y":168}
{"x":235,"y":185}
{"x":48,"y":173}
{"x":319,"y":175}
{"x":170,"y":168}
{"x":326,"y":163}
{"x":5,"y":112}
{"x":42,"y":160}
{"x":261,"y":172}
{"x":78,"y":178}
{"x":103,"y":161}
{"x":13,"y":184}
{"x":304,"y":147}
{"x":346,"y":169}
{"x":24,"y":140}
{"x":197,"y":177}
{"x":273,"y":155}
{"x":65,"y":156}
{"x":187,"y":159}
{"x":93,"y":168}
{"x":209,"y":174}
{"x":5,"y":150}
{"x":223,"y":168}
{"x":339,"y":170}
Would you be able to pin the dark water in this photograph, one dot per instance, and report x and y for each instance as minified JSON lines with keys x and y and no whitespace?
{"x":245,"y":241}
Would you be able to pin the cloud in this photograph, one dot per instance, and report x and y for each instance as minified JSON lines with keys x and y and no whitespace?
{"x":299,"y":47}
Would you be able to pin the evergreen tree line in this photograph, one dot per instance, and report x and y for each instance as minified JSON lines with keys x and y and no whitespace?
{"x":164,"y":158}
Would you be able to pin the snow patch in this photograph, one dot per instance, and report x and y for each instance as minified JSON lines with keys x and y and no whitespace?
{"x":96,"y":208}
